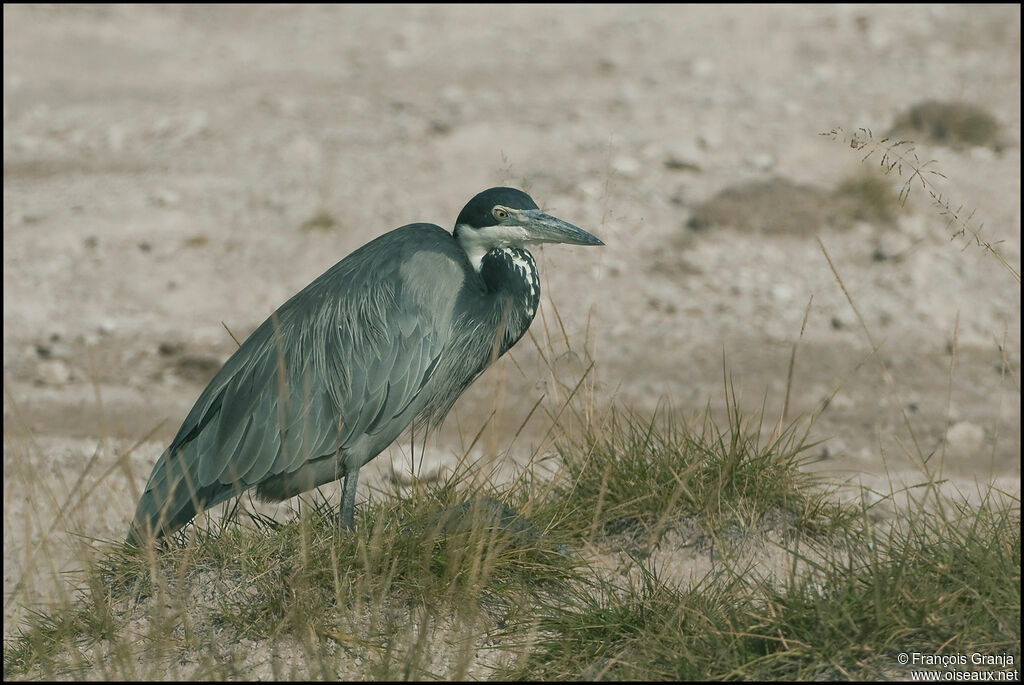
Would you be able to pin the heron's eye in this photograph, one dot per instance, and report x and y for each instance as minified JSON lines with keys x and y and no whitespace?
{"x":499,"y":213}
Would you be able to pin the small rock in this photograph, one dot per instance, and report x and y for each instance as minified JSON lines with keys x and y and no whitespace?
{"x":782,"y":293}
{"x":54,"y":372}
{"x":833,"y":447}
{"x":965,"y":439}
{"x":165,"y":198}
{"x":323,"y":220}
{"x":285,"y":106}
{"x":627,"y":167}
{"x":842,"y":400}
{"x":592,"y":188}
{"x":163,"y":126}
{"x":52,"y":350}
{"x":980,"y":153}
{"x":892,"y":245}
{"x":703,"y":67}
{"x":107,"y":326}
{"x":169,"y":349}
{"x":440,"y":125}
{"x":823,"y":73}
{"x":196,"y":124}
{"x":679,"y":163}
{"x":708,"y":140}
{"x":914,"y":226}
{"x":762,"y":161}
{"x":454,"y":95}
{"x":629,"y":94}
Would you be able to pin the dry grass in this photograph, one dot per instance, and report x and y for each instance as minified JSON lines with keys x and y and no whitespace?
{"x":471,"y":579}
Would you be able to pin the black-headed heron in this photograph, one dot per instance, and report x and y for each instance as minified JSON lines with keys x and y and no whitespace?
{"x":389,"y":336}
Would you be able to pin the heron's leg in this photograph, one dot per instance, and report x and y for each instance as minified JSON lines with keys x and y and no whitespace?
{"x":348,"y":500}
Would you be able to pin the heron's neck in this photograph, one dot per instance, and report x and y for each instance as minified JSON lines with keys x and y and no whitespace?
{"x":478,"y":242}
{"x":473,"y":245}
{"x":510,"y":275}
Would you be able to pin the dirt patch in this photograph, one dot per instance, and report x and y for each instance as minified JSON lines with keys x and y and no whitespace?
{"x":778,"y":205}
{"x":959,"y":125}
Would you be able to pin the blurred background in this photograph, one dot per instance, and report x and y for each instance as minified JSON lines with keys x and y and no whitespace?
{"x":172,"y":171}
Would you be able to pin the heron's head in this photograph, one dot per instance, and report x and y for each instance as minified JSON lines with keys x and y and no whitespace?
{"x":506,"y":217}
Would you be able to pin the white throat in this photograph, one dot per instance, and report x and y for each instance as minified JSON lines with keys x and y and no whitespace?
{"x":479,"y":241}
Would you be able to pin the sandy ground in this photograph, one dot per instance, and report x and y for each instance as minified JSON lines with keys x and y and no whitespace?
{"x":167,"y":169}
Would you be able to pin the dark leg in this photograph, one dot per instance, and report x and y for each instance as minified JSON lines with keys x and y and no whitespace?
{"x":348,"y":500}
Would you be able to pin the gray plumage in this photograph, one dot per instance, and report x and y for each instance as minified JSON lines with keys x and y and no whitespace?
{"x":387,"y":337}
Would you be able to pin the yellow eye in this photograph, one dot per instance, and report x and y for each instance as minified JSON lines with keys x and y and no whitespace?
{"x":499,"y":213}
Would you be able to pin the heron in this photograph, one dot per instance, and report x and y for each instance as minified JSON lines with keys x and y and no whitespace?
{"x":388,"y":337}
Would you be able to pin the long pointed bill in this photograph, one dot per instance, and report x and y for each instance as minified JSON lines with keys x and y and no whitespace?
{"x":544,"y":228}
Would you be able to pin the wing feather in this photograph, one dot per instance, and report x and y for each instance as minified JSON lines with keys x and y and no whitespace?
{"x":358,"y":347}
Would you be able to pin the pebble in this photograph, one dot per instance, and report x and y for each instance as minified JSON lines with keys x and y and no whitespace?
{"x":592,"y":188}
{"x":762,"y":161}
{"x":627,"y":167}
{"x":980,"y":153}
{"x":683,"y":158}
{"x":197,"y":123}
{"x":892,"y":245}
{"x":703,"y":67}
{"x":708,"y":140}
{"x":165,"y":198}
{"x":914,"y":226}
{"x":54,"y":372}
{"x":168,"y":348}
{"x":965,"y":439}
{"x":52,"y":351}
{"x":782,"y":293}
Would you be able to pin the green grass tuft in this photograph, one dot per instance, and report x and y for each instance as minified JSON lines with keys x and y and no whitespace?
{"x":464,"y":580}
